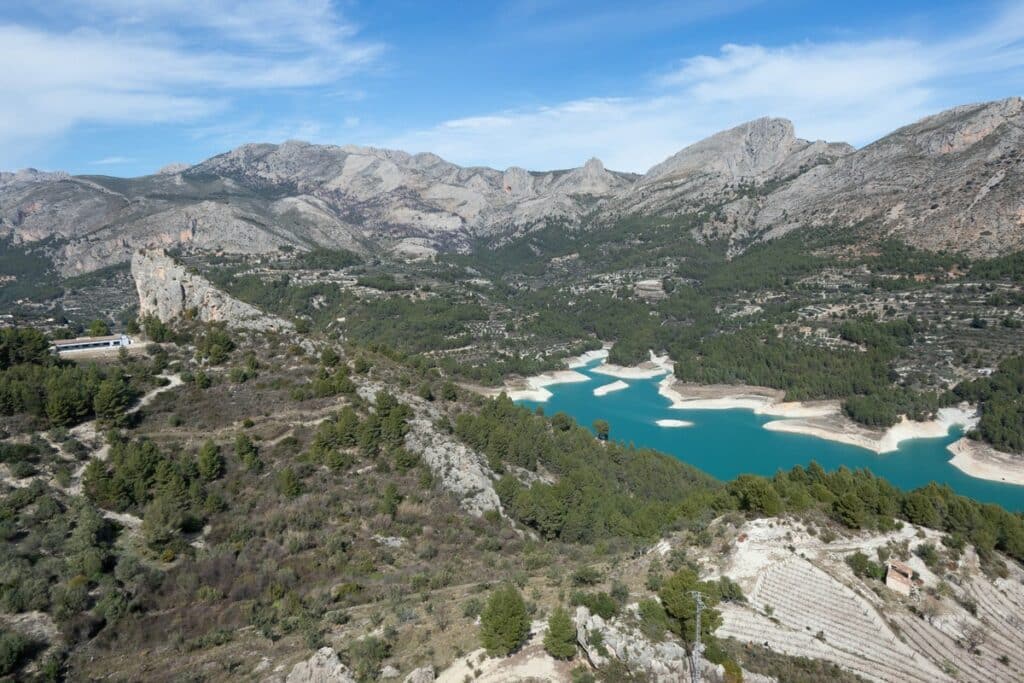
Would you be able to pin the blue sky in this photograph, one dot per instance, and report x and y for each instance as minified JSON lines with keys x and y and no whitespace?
{"x":122,"y":87}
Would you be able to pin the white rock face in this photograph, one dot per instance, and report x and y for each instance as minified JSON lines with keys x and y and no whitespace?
{"x":460,"y":470}
{"x":665,"y":662}
{"x":422,"y":675}
{"x":167,"y":290}
{"x":323,"y":667}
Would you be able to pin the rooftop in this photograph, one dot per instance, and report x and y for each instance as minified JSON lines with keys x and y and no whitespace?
{"x":86,"y":340}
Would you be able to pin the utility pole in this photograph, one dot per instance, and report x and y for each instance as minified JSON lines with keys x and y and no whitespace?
{"x":698,"y":648}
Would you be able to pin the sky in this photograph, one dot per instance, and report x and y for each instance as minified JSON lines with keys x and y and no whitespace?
{"x":123,"y":87}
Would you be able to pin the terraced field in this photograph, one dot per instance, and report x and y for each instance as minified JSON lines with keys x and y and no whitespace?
{"x":798,"y":609}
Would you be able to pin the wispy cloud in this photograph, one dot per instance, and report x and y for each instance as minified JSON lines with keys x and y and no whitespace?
{"x":112,"y":161}
{"x":561,"y":21}
{"x":851,"y":91}
{"x":115,"y":61}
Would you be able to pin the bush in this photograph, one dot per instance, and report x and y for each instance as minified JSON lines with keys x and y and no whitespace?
{"x":13,"y":647}
{"x":653,"y":620}
{"x":586,"y":576}
{"x":600,"y":604}
{"x":504,"y":623}
{"x":472,"y":608}
{"x":864,"y":567}
{"x":367,"y":655}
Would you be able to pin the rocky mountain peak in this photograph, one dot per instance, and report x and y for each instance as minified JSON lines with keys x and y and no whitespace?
{"x":744,"y":152}
{"x":173,"y":169}
{"x":31,"y":175}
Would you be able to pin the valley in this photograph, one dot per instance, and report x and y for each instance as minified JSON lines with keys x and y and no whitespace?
{"x":386,"y":417}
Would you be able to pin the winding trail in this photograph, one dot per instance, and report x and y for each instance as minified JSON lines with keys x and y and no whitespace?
{"x":86,"y":432}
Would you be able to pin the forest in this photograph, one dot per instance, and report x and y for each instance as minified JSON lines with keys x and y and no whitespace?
{"x":1000,"y":398}
{"x":34,"y":382}
{"x":606,"y":489}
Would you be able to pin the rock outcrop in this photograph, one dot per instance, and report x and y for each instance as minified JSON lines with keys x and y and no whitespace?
{"x":323,"y":667}
{"x":664,"y":662}
{"x":422,"y":675}
{"x":169,"y":291}
{"x":458,"y":468}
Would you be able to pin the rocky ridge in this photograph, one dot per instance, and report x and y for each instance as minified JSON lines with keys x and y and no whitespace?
{"x":949,"y":181}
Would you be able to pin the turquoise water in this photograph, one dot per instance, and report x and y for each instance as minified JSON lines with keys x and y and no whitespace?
{"x":726,"y":443}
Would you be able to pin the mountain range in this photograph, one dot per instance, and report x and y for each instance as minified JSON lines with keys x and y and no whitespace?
{"x":952,"y":181}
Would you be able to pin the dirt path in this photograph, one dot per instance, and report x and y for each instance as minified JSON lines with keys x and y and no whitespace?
{"x":87,"y":432}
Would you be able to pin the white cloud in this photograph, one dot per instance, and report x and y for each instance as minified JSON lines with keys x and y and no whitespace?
{"x":112,"y":161}
{"x":114,"y":62}
{"x":849,"y":91}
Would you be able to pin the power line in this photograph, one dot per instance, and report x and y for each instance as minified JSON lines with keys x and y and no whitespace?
{"x":698,"y":648}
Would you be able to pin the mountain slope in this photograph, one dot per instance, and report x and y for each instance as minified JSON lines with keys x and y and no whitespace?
{"x":260,"y":197}
{"x":950,"y":181}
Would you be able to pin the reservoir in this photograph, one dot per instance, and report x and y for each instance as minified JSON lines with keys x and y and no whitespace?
{"x":726,"y":443}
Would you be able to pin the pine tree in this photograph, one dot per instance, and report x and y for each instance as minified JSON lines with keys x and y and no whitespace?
{"x":210,"y":461}
{"x":504,"y":623}
{"x":247,"y":452}
{"x":110,"y":400}
{"x":288,"y":483}
{"x":162,"y":521}
{"x":390,"y":500}
{"x":560,"y":640}
{"x":682,"y":609}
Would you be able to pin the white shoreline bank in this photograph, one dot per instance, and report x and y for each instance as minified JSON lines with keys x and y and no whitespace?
{"x":649,"y":369}
{"x":673,"y":423}
{"x":981,"y":461}
{"x":586,"y":358}
{"x":536,"y":386}
{"x":821,"y":419}
{"x":617,"y":385}
{"x":837,"y":427}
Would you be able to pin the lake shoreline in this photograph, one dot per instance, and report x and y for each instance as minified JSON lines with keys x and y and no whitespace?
{"x":820,"y":419}
{"x":649,"y":369}
{"x":981,"y":461}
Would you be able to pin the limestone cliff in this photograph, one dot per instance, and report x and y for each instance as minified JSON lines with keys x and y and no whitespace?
{"x":168,"y":290}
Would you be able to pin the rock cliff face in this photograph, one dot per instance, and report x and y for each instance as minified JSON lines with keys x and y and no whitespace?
{"x":664,"y":662}
{"x":167,"y":290}
{"x":952,"y":180}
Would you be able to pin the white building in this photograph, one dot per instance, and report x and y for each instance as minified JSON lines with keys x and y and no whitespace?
{"x":112,"y":341}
